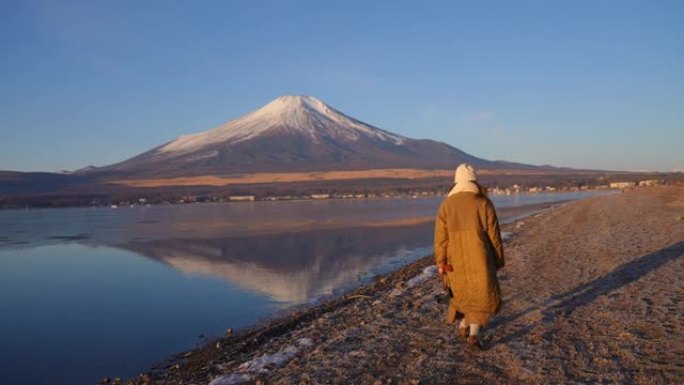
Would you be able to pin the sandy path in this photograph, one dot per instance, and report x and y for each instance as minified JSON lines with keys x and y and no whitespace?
{"x":593,"y":293}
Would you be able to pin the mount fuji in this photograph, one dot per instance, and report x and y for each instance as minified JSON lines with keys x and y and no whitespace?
{"x":293,"y":134}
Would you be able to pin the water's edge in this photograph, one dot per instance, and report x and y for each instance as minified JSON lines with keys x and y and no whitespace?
{"x":250,"y":337}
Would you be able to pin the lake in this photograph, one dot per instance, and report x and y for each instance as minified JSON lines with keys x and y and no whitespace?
{"x":93,"y":292}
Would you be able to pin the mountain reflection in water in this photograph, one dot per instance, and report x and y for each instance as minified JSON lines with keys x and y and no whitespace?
{"x":294,"y":267}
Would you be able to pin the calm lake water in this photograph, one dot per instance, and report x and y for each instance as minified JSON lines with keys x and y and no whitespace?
{"x":93,"y":292}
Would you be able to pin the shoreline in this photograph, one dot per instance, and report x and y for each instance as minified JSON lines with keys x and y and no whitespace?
{"x":246,"y":340}
{"x":293,"y":346}
{"x":303,"y":198}
{"x":249,"y":338}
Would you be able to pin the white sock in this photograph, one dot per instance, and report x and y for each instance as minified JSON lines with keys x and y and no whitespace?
{"x":474,"y":329}
{"x":462,"y":324}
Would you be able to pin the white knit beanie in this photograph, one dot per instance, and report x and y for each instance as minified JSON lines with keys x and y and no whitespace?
{"x":465,"y":173}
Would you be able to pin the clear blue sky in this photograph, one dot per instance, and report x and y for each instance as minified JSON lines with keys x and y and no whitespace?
{"x":597,"y":84}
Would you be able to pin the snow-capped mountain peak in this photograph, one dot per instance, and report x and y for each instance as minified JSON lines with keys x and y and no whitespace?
{"x":290,"y":134}
{"x":291,"y":113}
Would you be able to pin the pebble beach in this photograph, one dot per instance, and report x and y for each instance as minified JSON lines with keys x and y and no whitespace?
{"x":593,"y":293}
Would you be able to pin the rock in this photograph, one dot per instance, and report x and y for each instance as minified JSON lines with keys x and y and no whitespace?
{"x":105,"y":380}
{"x":116,"y":381}
{"x":218,"y":345}
{"x":229,"y":331}
{"x":305,"y":379}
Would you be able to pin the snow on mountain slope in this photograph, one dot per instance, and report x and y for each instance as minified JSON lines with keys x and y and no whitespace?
{"x":291,"y":134}
{"x":304,"y":114}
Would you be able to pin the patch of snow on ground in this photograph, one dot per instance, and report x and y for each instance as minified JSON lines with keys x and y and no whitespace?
{"x":262,"y":364}
{"x":427,"y":273}
{"x":231,"y":379}
{"x":505,"y":235}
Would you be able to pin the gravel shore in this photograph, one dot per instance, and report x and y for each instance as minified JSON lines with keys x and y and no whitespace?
{"x":593,"y":293}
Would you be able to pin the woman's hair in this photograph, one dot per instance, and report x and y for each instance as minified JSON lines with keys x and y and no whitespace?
{"x":482,"y":189}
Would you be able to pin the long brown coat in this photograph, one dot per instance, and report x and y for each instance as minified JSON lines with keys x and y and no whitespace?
{"x":467,"y":236}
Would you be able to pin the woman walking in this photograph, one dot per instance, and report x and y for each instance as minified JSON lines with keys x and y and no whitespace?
{"x":468,"y":252}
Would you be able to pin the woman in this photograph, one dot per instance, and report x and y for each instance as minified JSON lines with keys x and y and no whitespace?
{"x":468,"y":249}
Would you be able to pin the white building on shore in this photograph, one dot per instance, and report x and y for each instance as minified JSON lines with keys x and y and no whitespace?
{"x":622,"y":184}
{"x":241,"y":198}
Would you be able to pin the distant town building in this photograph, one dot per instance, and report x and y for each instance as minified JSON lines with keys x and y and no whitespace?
{"x":650,"y":182}
{"x":498,"y":191}
{"x":320,"y":196}
{"x":242,"y":198}
{"x":282,"y":198}
{"x":622,"y":184}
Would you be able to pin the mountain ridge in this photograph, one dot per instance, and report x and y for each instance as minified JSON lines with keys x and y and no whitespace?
{"x":293,"y":133}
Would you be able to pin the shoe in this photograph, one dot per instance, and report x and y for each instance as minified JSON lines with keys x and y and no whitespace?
{"x":474,"y":343}
{"x":463,"y":332}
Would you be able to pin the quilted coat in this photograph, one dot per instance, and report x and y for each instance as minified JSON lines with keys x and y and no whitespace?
{"x":467,"y":237}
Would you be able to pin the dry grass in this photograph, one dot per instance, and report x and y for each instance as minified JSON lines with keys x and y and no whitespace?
{"x":272,"y":177}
